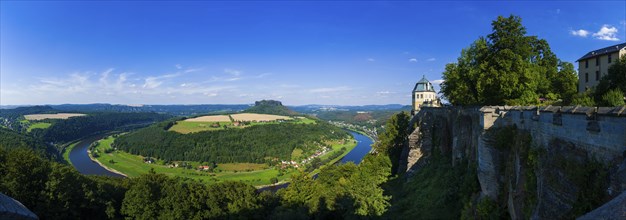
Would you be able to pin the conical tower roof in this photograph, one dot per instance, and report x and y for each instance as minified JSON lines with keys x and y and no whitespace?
{"x":423,"y":85}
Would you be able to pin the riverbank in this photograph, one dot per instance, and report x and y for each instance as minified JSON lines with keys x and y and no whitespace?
{"x":66,"y":152}
{"x":103,"y":166}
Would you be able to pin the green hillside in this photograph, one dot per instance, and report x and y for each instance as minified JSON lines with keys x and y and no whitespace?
{"x":255,"y":144}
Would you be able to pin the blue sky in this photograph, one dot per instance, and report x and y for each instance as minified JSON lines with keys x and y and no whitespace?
{"x":346,"y":53}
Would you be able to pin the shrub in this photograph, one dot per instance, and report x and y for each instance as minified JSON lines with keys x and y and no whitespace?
{"x":613,"y":98}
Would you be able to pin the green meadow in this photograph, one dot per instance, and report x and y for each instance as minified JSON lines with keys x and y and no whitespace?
{"x":38,"y":125}
{"x":254,"y":174}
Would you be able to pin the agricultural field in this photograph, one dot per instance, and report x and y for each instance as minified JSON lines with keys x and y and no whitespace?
{"x":186,"y":127}
{"x":210,"y":118}
{"x":253,"y":117}
{"x":254,"y":174}
{"x":35,"y":117}
{"x":243,"y":120}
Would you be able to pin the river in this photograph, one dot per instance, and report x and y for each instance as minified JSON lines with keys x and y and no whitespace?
{"x":81,"y":161}
{"x":363,"y":147}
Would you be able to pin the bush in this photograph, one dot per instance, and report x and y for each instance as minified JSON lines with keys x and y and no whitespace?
{"x":613,"y":98}
{"x":583,"y":99}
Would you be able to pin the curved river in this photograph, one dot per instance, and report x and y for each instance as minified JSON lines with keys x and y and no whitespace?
{"x":363,"y":146}
{"x":81,"y":161}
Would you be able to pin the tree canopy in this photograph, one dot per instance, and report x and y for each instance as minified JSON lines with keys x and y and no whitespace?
{"x":607,"y":92}
{"x":508,"y":67}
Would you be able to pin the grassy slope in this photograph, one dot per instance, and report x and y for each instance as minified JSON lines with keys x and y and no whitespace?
{"x":133,"y":165}
{"x":40,"y":125}
{"x":66,"y":152}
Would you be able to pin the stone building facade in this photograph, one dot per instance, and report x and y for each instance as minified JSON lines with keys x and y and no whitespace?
{"x":595,"y":64}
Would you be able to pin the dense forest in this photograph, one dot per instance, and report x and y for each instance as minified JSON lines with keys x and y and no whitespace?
{"x":13,"y":139}
{"x":374,"y":118}
{"x":57,"y":191}
{"x":78,"y":127}
{"x":254,"y":144}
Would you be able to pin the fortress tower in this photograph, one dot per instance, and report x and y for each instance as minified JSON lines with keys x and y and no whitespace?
{"x":424,"y":95}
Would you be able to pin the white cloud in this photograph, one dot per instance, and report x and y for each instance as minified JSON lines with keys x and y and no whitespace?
{"x":412,"y":60}
{"x":152,"y":82}
{"x":431,"y":59}
{"x":105,"y":75}
{"x":263,"y":75}
{"x":371,"y":59}
{"x":607,"y":32}
{"x":232,"y":72}
{"x":289,"y":86}
{"x":384,"y":93}
{"x":191,"y":70}
{"x":330,"y":89}
{"x":210,"y":94}
{"x":580,"y":33}
{"x":178,"y":66}
{"x":438,"y":81}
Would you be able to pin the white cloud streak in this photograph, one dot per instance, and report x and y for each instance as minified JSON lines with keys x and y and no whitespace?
{"x":233,"y":72}
{"x":579,"y":33}
{"x":330,"y":89}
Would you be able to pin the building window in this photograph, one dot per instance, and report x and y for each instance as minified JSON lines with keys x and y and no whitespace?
{"x":609,"y":58}
{"x":586,"y":77}
{"x":586,"y":63}
{"x":597,"y":75}
{"x":597,"y":61}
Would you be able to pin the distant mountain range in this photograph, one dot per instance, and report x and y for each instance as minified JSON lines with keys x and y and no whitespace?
{"x":186,"y":110}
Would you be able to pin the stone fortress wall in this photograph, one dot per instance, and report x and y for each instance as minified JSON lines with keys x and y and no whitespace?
{"x":463,"y":133}
{"x":598,"y":130}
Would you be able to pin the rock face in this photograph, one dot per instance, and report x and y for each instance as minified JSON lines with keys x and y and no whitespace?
{"x":272,"y":107}
{"x":577,"y":135}
{"x":12,"y":209}
{"x":613,"y":210}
